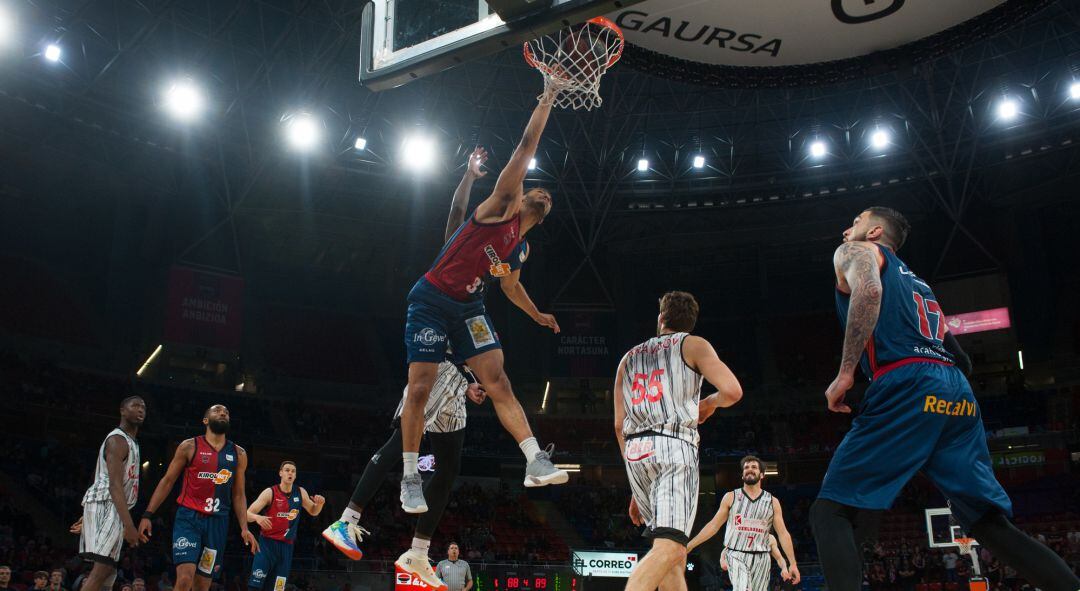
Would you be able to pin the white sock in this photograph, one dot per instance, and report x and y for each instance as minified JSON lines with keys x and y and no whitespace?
{"x":409,"y":458}
{"x":421,"y":545}
{"x":350,"y":516}
{"x":530,"y":448}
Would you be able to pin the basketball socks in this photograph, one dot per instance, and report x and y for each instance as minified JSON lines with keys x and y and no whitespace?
{"x":409,"y":459}
{"x":530,"y":448}
{"x":1034,"y":561}
{"x":350,"y":516}
{"x":421,"y":545}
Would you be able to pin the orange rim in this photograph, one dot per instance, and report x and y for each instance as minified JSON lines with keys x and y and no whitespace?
{"x":602,"y":21}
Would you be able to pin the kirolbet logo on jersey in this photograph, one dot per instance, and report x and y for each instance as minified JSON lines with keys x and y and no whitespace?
{"x":220,"y":477}
{"x":497,"y":268}
{"x":290,"y":515}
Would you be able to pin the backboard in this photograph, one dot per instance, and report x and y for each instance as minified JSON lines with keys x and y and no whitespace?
{"x":942,"y":529}
{"x":402,"y":40}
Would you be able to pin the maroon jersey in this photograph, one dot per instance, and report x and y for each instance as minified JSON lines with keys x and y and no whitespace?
{"x":283,"y":510}
{"x":475,"y":254}
{"x":208,"y":479}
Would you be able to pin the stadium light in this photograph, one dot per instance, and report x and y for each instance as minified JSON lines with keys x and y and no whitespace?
{"x":880,"y":139}
{"x":1020,"y":358}
{"x":543,"y":403}
{"x":1074,"y":91}
{"x":183,"y":100}
{"x":817,"y":149}
{"x":1008,"y":109}
{"x":148,"y":361}
{"x":642,"y":165}
{"x":7,"y":27}
{"x":302,"y":132}
{"x":360,"y":144}
{"x":53,"y":52}
{"x":532,"y":164}
{"x":418,"y":152}
{"x":699,"y":161}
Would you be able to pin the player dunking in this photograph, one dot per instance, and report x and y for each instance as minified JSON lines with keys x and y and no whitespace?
{"x":657,"y":412}
{"x":919,"y":413}
{"x":106,"y":522}
{"x":213,"y":484}
{"x":750,"y":513}
{"x":446,"y":307}
{"x":444,"y":422}
{"x":282,"y":506}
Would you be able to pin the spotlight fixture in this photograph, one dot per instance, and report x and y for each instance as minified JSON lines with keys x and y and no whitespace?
{"x":302,"y":131}
{"x":642,"y":165}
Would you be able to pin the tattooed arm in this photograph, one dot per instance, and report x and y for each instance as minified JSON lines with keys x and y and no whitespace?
{"x":858,"y":272}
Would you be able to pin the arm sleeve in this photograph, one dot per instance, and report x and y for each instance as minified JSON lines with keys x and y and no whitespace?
{"x":953,"y":347}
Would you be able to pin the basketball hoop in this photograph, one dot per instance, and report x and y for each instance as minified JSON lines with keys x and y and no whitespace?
{"x":574,"y":59}
{"x":965,"y":545}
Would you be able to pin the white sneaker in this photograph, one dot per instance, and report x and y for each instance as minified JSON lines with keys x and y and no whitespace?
{"x":416,"y":564}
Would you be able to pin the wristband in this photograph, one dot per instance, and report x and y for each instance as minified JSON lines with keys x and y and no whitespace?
{"x":147,"y":514}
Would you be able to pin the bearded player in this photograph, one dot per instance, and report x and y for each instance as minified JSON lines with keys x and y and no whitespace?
{"x":282,"y":504}
{"x":446,"y":307}
{"x":751,"y":513}
{"x":658,"y":407}
{"x":919,"y":413}
{"x":213,"y":485}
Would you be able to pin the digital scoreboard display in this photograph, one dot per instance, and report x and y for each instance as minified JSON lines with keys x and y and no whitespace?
{"x":540,"y":579}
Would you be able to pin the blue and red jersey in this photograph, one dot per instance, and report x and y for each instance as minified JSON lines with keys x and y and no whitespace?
{"x":910,"y":326}
{"x":283,"y":511}
{"x":208,"y":478}
{"x":476,"y":254}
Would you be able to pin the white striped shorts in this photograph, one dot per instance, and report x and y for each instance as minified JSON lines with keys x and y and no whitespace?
{"x":102,"y":533}
{"x":749,"y":571}
{"x":664,"y":477}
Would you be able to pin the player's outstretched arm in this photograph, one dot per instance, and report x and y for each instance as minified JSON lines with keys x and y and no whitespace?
{"x":313,"y":505}
{"x":714,"y":524}
{"x":180,"y":460}
{"x":116,"y":453}
{"x":515,"y":292}
{"x":254,"y":510}
{"x":460,"y":202}
{"x":239,"y":499}
{"x":505,"y":201}
{"x":702,"y":358}
{"x":784,"y":537}
{"x":858,"y":272}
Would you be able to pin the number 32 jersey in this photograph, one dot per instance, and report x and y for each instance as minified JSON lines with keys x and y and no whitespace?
{"x":208,"y":478}
{"x":911,"y":324}
{"x":660,"y":392}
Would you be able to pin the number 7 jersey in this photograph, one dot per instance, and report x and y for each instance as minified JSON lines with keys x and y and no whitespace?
{"x":660,"y":392}
{"x":911,"y":324}
{"x":208,"y":478}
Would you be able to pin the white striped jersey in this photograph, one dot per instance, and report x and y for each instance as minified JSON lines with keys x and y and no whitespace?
{"x":749,"y":523}
{"x":660,"y":391}
{"x":99,"y":490}
{"x":445,"y":408}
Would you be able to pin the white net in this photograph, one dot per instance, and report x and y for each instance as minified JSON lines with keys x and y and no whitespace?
{"x":574,"y":59}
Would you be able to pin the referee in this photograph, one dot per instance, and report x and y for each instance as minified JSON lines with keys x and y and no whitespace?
{"x":455,"y":573}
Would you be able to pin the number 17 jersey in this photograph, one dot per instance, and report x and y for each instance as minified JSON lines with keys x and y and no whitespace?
{"x":660,"y":391}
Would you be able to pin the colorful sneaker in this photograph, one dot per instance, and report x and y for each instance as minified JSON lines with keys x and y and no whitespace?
{"x":415,"y":565}
{"x":346,"y":537}
{"x":412,"y":494}
{"x":541,"y":472}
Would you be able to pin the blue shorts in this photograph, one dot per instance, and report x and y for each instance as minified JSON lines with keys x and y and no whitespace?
{"x":272,"y":563}
{"x":920,"y":416}
{"x":200,"y":539}
{"x":435,"y":320}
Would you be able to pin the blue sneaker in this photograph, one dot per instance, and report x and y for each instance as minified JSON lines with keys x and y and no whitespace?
{"x":346,"y":537}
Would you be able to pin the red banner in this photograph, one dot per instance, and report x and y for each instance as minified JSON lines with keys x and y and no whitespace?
{"x":204,"y":309}
{"x":983,"y":320}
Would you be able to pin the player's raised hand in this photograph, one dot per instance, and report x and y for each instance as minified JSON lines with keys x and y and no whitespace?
{"x":145,"y":529}
{"x":635,"y":513}
{"x":319,"y":500}
{"x":795,"y":576}
{"x":249,"y":540}
{"x":76,"y":528}
{"x":476,"y":393}
{"x":477,"y":159}
{"x":264,"y":522}
{"x":837,"y":390}
{"x":549,"y":321}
